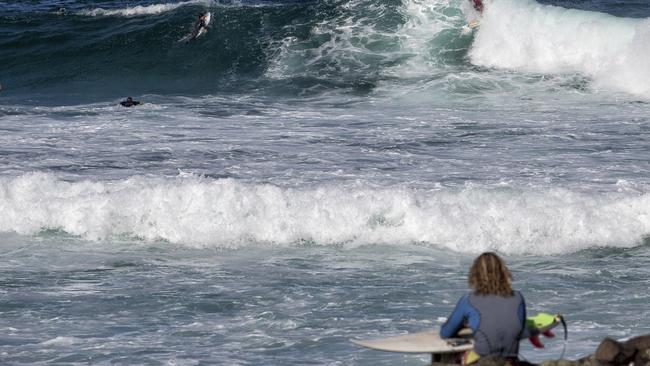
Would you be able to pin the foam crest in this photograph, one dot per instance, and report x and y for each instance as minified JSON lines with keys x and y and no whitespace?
{"x":525,"y":35}
{"x":353,"y":41}
{"x":141,"y":9}
{"x":424,"y":22}
{"x":226,"y":213}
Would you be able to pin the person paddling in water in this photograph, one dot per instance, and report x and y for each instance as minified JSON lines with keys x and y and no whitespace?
{"x":493,"y":310}
{"x":129,"y":102}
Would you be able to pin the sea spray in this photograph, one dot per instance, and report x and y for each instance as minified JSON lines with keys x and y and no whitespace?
{"x":140,"y":10}
{"x":531,"y":37}
{"x":229,"y":213}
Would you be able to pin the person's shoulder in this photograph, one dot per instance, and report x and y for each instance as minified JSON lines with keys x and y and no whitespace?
{"x":466,"y":296}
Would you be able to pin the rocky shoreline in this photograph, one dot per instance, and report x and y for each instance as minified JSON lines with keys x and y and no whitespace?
{"x":633,"y":352}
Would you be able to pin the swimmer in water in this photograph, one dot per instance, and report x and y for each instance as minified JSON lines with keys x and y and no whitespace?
{"x":129,"y":102}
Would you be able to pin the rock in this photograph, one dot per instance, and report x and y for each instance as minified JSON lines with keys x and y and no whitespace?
{"x":588,"y":361}
{"x":612,"y":352}
{"x":642,"y":358}
{"x":607,"y":350}
{"x":491,"y":361}
{"x":560,"y":363}
{"x":567,"y":363}
{"x":640,"y":342}
{"x":633,"y":351}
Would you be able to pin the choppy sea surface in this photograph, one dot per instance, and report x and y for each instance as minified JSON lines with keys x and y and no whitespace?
{"x":313,"y":171}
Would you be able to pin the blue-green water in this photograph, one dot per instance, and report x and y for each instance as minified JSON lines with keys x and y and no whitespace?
{"x":313,"y":171}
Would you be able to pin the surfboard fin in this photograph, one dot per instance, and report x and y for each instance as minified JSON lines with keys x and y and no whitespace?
{"x":548,"y":334}
{"x":536,"y":342}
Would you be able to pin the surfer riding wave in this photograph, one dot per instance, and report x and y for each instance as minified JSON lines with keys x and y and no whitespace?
{"x":200,"y":24}
{"x":200,"y":27}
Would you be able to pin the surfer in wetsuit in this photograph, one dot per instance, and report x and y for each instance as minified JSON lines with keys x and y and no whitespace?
{"x":200,"y":24}
{"x":493,"y":310}
{"x":129,"y":102}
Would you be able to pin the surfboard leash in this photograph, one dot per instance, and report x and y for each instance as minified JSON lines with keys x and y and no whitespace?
{"x":566,"y":334}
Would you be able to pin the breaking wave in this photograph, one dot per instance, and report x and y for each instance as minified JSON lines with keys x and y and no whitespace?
{"x":312,"y":47}
{"x":531,"y":37}
{"x":139,"y":10}
{"x":226,"y":213}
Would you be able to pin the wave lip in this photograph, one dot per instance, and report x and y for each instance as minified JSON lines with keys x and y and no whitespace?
{"x":141,"y":9}
{"x":228,"y":213}
{"x":527,"y":36}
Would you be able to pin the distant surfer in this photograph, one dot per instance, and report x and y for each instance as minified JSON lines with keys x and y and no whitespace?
{"x":495,"y":312}
{"x":478,"y":5}
{"x":199,"y":28}
{"x":200,"y":23}
{"x":129,"y":102}
{"x":474,"y":23}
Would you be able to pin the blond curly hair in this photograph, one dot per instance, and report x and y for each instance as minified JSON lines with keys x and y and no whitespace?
{"x":490,"y":276}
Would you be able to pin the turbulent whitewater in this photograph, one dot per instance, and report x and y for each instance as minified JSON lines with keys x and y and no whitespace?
{"x":528,"y":36}
{"x":227,"y":213}
{"x":312,"y":171}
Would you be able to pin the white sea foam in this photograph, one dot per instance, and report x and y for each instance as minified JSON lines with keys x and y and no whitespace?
{"x":229,"y":213}
{"x":350,"y":42}
{"x":527,"y":36}
{"x":142,"y":9}
{"x":60,"y":341}
{"x":424,"y":20}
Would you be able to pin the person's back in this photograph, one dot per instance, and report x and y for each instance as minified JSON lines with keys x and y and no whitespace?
{"x":495,"y":313}
{"x":498,"y":331}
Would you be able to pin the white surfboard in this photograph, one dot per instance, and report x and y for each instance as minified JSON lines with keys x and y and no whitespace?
{"x":422,"y":342}
{"x":430,"y":341}
{"x":471,"y":26}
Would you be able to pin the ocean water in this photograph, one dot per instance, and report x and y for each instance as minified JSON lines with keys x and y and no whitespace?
{"x":313,"y":171}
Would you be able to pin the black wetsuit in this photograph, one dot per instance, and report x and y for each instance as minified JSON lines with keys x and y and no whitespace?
{"x":197,"y":28}
{"x":130,"y":103}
